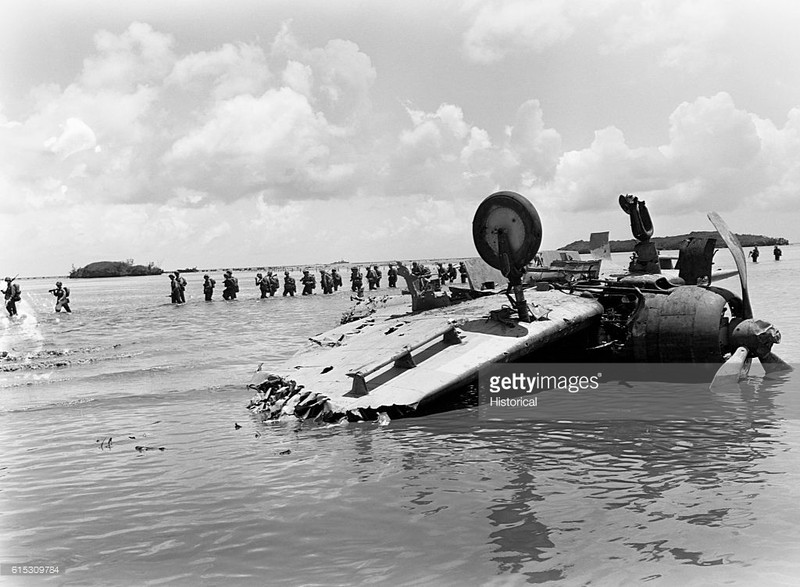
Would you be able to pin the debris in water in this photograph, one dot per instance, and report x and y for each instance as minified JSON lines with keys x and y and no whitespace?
{"x":236,"y":426}
{"x":144,"y":448}
{"x":278,"y":397}
{"x":383,"y":419}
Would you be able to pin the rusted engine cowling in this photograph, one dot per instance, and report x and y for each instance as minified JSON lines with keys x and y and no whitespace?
{"x":685,"y":326}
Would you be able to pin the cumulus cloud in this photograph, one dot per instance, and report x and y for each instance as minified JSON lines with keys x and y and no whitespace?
{"x":442,"y":155}
{"x":535,"y":147}
{"x":76,"y":137}
{"x":272,"y":136}
{"x":341,"y":73}
{"x":142,"y":122}
{"x":228,"y":71}
{"x":248,"y":144}
{"x":683,"y":33}
{"x":138,"y":56}
{"x":435,"y":154}
{"x":502,"y":28}
{"x":718,"y":156}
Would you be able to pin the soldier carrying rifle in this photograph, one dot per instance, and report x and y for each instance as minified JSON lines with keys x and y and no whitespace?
{"x":12,"y":296}
{"x":61,"y":293}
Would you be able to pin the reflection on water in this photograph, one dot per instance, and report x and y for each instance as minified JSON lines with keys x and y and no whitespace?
{"x":447,"y":498}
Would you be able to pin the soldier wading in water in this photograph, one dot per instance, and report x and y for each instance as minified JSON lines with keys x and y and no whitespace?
{"x":12,"y":294}
{"x":62,"y":297}
{"x":263,"y":284}
{"x":309,"y":283}
{"x":208,"y":287}
{"x":337,"y":279}
{"x":289,"y":285}
{"x":231,"y":285}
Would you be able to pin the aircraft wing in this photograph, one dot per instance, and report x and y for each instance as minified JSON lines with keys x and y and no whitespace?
{"x":396,"y":363}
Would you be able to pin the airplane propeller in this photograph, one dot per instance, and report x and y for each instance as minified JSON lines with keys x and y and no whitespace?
{"x":752,"y":338}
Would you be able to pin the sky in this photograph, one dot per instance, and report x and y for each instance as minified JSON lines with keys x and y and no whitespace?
{"x":251,"y":132}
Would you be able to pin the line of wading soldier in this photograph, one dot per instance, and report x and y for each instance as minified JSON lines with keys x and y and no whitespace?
{"x":13,"y":294}
{"x":330,"y":281}
{"x":268,"y":284}
{"x":754,"y":254}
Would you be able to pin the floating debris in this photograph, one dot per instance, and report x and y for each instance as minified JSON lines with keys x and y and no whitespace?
{"x":56,"y":359}
{"x":146,"y":448}
{"x":104,"y":443}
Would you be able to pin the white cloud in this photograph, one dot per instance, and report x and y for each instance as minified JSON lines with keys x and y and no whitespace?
{"x":718,"y":156}
{"x":76,"y":137}
{"x":502,"y":28}
{"x":138,"y":56}
{"x":216,"y":122}
{"x":683,"y":33}
{"x":298,"y":77}
{"x":344,"y":76}
{"x":535,"y":147}
{"x":247,"y":144}
{"x":446,"y":157}
{"x":262,"y":143}
{"x":226,"y":72}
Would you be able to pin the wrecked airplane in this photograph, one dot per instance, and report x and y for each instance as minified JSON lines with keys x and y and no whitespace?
{"x":394,"y":361}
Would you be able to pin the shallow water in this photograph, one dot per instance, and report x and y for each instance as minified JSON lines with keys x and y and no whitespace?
{"x":447,"y":498}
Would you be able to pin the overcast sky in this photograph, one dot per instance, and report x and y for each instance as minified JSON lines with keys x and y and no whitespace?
{"x":250,"y":132}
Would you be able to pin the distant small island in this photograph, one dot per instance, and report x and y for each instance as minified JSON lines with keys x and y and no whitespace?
{"x":115,"y":269}
{"x":671,"y":243}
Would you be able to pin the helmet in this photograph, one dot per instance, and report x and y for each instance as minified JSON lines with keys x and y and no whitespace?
{"x":58,"y":283}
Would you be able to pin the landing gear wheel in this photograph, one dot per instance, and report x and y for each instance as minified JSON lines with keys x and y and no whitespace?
{"x":514,"y":216}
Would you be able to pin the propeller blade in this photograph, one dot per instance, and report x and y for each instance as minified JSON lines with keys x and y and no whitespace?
{"x":738,"y":257}
{"x":720,"y":275}
{"x":734,"y":369}
{"x":772,"y":363}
